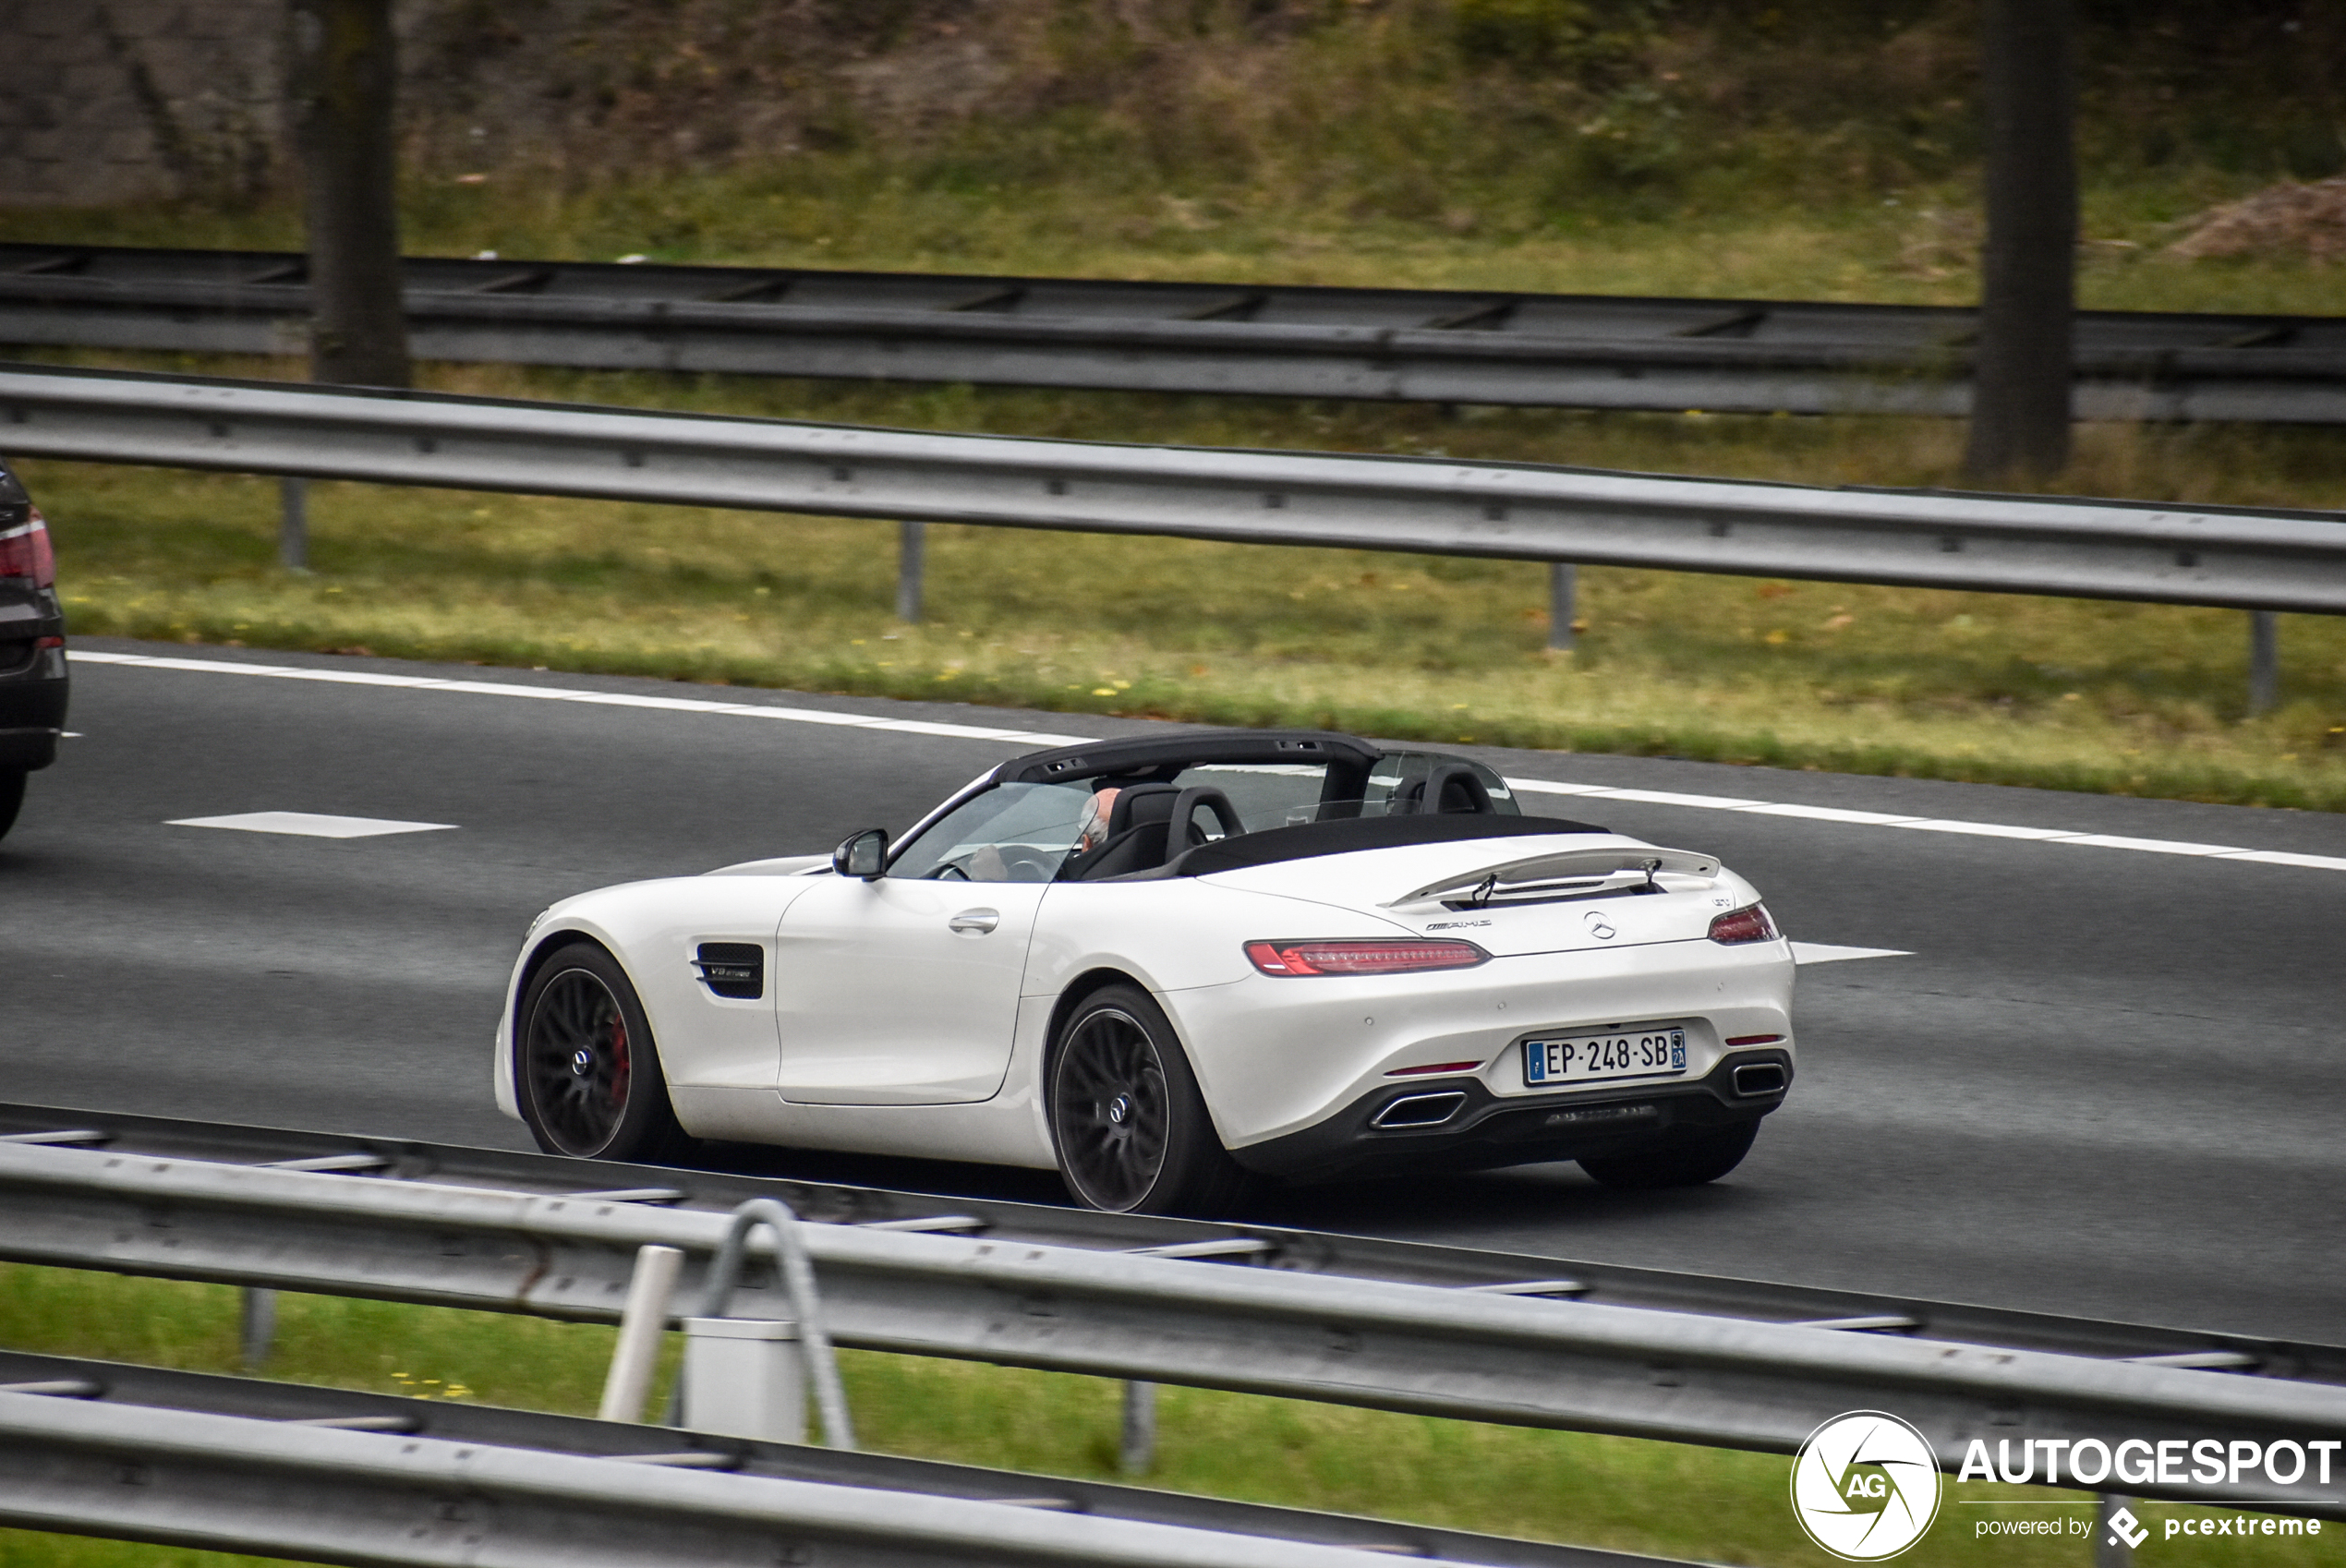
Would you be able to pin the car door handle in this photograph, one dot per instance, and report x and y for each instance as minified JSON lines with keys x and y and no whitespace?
{"x":975,"y":923}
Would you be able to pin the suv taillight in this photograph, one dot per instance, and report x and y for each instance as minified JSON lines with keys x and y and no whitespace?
{"x":1749,"y":923}
{"x":1400,"y":957}
{"x":25,"y":552}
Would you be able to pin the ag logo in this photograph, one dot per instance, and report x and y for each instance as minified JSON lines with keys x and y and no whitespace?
{"x":1865,"y":1486}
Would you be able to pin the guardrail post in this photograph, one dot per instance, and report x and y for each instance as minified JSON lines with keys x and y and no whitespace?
{"x":641,"y":1322}
{"x":1137,"y":1454}
{"x":1564,"y":583}
{"x":2264,"y":660}
{"x":257,"y":1325}
{"x":912,"y":558}
{"x":293,"y":525}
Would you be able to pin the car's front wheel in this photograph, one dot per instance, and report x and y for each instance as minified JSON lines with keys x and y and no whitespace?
{"x":587,"y":1069}
{"x":1688,"y":1159}
{"x":1127,"y":1118}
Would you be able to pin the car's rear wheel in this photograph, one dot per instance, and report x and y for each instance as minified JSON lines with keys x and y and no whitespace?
{"x":11,"y":797}
{"x":586,"y":1069}
{"x":1687,"y":1160}
{"x":1127,"y":1118}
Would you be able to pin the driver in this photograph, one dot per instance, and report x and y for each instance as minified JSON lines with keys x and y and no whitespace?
{"x":1097,"y":811}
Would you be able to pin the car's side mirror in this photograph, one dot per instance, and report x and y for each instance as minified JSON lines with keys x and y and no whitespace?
{"x":862,"y":855}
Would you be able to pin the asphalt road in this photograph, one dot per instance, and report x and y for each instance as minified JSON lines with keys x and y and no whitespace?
{"x":2106,"y":1081}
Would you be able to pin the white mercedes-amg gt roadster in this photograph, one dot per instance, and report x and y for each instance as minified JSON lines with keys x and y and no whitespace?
{"x":1166,"y":966}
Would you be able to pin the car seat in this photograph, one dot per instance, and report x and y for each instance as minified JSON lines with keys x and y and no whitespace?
{"x":1141,"y":833}
{"x":1449,"y":787}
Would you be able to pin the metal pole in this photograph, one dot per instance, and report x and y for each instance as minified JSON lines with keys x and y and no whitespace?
{"x":1138,"y":1452}
{"x":1563,"y":592}
{"x":2264,"y":661}
{"x":912,"y":552}
{"x":293,"y":525}
{"x":256,"y":1327}
{"x":641,"y":1322}
{"x":798,"y":1282}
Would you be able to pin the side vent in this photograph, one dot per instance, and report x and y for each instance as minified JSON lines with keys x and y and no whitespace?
{"x":735,"y":970}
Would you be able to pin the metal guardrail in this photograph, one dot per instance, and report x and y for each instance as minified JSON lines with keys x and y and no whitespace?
{"x":62,"y":1469}
{"x":1485,"y":347}
{"x":2005,"y":544}
{"x":1478,"y":1355}
{"x":338,"y":1496}
{"x":720,"y":1192}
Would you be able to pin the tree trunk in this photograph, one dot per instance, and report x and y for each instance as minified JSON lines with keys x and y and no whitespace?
{"x":343,"y":73}
{"x":2020,"y":397}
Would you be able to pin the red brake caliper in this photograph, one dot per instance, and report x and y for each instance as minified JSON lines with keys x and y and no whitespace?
{"x":619,"y":1061}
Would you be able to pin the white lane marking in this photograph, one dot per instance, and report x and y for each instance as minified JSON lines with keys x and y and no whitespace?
{"x":1037,"y":738}
{"x":1829,"y":953}
{"x":311,"y":825}
{"x":1933,"y":825}
{"x":571,"y":694}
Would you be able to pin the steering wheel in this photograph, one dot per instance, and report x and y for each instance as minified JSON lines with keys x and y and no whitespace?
{"x":1038,"y":866}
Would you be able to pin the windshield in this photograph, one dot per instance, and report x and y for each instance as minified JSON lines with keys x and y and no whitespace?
{"x":1029,"y":832}
{"x":1012,"y":833}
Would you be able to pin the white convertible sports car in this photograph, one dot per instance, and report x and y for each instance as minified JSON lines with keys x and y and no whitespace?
{"x":1163,"y":966}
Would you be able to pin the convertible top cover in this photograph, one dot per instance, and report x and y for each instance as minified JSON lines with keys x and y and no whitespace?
{"x":1310,"y":839}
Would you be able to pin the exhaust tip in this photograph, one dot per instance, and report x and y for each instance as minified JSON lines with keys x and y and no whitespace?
{"x":1419,"y":1110}
{"x":1760,"y":1078}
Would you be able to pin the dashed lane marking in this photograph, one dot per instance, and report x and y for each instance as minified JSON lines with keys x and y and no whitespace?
{"x":1831,"y":953}
{"x":311,"y":825}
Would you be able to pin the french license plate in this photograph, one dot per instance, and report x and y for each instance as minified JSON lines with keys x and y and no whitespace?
{"x":1584,"y":1058}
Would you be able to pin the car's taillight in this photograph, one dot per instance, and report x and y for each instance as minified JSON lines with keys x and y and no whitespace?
{"x":1361,"y":958}
{"x":1749,"y":923}
{"x":25,"y":552}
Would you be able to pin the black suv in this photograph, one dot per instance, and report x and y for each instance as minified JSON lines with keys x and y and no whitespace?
{"x":32,"y":646}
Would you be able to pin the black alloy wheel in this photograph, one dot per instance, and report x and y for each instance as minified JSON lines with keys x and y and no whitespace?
{"x":1129,"y":1123}
{"x":589,"y":1074}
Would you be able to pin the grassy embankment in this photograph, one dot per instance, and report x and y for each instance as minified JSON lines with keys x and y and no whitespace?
{"x":1662,"y":1498}
{"x":1815,"y":150}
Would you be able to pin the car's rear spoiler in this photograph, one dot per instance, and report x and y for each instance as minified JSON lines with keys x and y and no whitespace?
{"x":1567,"y":873}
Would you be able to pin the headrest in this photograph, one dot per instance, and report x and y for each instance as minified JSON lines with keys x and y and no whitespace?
{"x":1139,"y":803}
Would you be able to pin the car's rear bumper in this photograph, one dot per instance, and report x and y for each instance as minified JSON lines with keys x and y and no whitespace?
{"x":33,"y":675}
{"x":1482,"y":1129}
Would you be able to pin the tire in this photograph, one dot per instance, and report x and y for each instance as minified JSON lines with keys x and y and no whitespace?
{"x":585,"y":1068}
{"x":1681,"y":1161}
{"x":11,"y":798}
{"x":1128,"y":1123}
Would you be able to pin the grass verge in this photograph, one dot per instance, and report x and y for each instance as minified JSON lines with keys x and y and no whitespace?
{"x":1662,"y":1498}
{"x":2131,"y":699}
